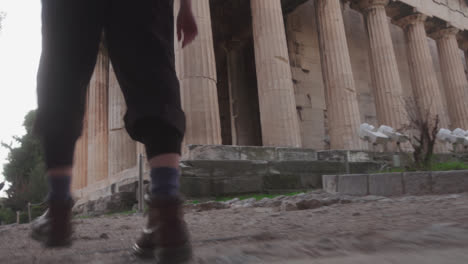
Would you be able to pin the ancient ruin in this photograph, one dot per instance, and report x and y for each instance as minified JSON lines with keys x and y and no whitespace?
{"x":292,"y":73}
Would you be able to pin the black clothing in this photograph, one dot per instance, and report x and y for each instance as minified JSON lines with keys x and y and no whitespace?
{"x":140,"y":39}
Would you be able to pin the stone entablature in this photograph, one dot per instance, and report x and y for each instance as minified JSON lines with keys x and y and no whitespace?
{"x":454,"y":12}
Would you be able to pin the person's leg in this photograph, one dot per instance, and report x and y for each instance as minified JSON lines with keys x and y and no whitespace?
{"x":141,"y":48}
{"x":71,"y":32}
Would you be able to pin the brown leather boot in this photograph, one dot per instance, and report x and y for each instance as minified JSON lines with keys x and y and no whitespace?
{"x":54,"y":227}
{"x":166,"y":232}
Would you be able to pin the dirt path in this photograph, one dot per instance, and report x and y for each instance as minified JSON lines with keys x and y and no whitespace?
{"x":401,"y":230}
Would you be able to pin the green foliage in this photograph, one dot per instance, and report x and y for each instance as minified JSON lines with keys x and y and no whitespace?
{"x":25,"y":169}
{"x":7,"y":216}
{"x":449,"y":166}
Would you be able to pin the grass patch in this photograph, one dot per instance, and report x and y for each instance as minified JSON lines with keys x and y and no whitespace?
{"x":448,"y":166}
{"x":443,"y":166}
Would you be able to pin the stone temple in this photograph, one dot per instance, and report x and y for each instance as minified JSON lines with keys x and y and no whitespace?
{"x":293,"y":73}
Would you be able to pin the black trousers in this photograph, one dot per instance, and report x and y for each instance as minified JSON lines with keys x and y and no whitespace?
{"x":139,"y":36}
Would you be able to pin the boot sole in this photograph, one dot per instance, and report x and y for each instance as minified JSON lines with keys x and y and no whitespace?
{"x":143,"y":253}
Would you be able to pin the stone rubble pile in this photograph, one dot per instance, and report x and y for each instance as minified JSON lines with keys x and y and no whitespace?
{"x":307,"y":201}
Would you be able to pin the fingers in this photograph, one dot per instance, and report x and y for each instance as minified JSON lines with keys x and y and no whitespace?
{"x":189,"y":35}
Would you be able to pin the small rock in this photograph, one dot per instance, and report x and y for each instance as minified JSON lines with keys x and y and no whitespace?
{"x":262,"y":210}
{"x":235,"y":200}
{"x":249,"y":201}
{"x":104,"y":236}
{"x":211,"y":206}
{"x":330,"y":201}
{"x":371,"y":198}
{"x":279,"y":198}
{"x":288,"y":206}
{"x":308,"y":204}
{"x":386,"y":200}
{"x":357,"y":214}
{"x":345,"y":201}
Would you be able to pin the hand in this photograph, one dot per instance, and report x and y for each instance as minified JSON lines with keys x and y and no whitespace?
{"x":186,"y":23}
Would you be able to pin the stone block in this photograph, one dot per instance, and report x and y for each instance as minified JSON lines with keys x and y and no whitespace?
{"x":280,"y":181}
{"x":288,"y":154}
{"x":386,"y":184}
{"x":195,"y":169}
{"x":364,"y":167}
{"x":237,"y":185}
{"x":238,"y":168}
{"x":353,"y":184}
{"x":449,"y":182}
{"x":129,"y":187}
{"x":417,"y":183}
{"x":330,"y":183}
{"x":257,"y":153}
{"x":213,"y":152}
{"x":304,"y":174}
{"x":120,"y":202}
{"x":195,"y":186}
{"x":311,"y":181}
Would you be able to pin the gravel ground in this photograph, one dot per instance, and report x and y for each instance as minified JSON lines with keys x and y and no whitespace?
{"x":309,"y":228}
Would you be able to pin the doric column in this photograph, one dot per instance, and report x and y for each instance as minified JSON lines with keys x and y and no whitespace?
{"x":197,"y":75}
{"x":423,"y":75}
{"x":341,"y":99}
{"x":388,"y":89}
{"x":453,"y":73}
{"x":122,"y":149}
{"x":97,"y":120}
{"x":80,"y":158}
{"x":278,"y":114}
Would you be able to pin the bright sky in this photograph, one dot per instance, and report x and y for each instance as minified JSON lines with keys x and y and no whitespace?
{"x":20,"y":48}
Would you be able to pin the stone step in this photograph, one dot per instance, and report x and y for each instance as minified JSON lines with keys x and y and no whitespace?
{"x":225,"y":152}
{"x":208,"y":178}
{"x":394,"y":184}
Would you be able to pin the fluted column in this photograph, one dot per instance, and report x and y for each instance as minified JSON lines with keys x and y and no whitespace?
{"x":423,"y":75}
{"x":453,"y":73}
{"x":80,"y":158}
{"x":341,"y":99}
{"x":197,"y":75}
{"x":387,"y":82}
{"x":278,"y":114}
{"x":464,"y":46}
{"x":97,"y":120}
{"x":122,"y":149}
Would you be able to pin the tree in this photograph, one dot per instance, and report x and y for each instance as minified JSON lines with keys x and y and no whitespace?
{"x":423,"y":128}
{"x":25,"y":169}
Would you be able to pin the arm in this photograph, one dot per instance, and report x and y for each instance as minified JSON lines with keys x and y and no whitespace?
{"x":186,"y":24}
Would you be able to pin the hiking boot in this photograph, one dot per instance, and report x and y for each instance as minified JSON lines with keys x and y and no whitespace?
{"x":165,"y":232}
{"x":54,"y":228}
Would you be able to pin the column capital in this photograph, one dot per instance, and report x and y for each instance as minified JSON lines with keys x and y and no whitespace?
{"x":412,"y":19}
{"x":462,"y":39}
{"x":444,"y":32}
{"x":366,"y":5}
{"x":463,"y":45}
